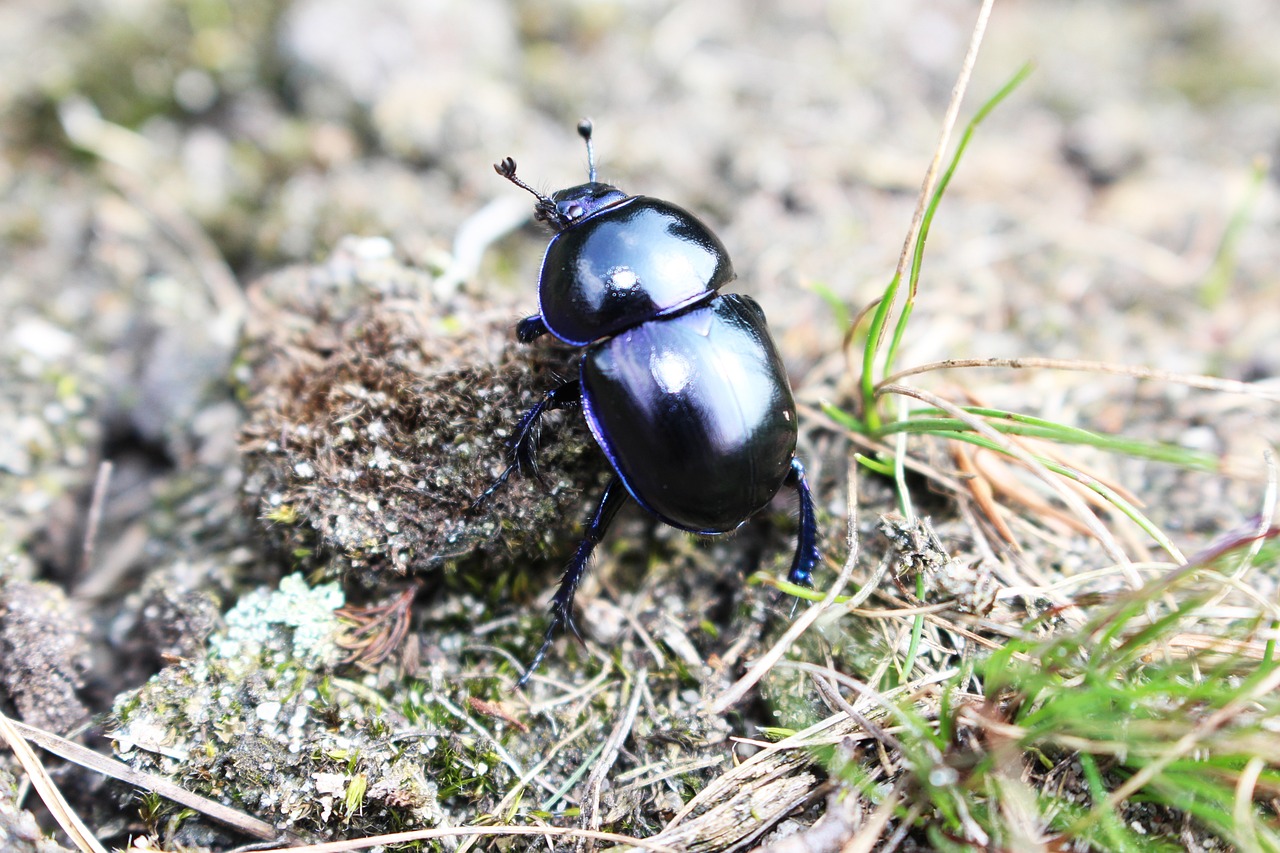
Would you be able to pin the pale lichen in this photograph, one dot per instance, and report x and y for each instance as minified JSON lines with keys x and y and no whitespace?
{"x":307,"y":613}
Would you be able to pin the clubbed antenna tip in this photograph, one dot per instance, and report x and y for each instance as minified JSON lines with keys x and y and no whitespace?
{"x":584,"y":130}
{"x":545,"y":209}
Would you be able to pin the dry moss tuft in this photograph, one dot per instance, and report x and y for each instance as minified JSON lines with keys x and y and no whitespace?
{"x":378,"y":411}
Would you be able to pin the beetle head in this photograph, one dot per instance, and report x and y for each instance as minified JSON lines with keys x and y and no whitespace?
{"x":576,"y":203}
{"x":579,"y":202}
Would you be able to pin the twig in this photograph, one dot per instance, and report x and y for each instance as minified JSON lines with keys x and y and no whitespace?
{"x":94,"y":521}
{"x":591,"y":791}
{"x":827,"y":689}
{"x":816,"y":735}
{"x":469,"y":831}
{"x":49,"y":793}
{"x":869,"y":832}
{"x":948,"y":124}
{"x":501,"y":751}
{"x":868,"y":693}
{"x":514,"y":791}
{"x":585,"y":691}
{"x":1070,"y":498}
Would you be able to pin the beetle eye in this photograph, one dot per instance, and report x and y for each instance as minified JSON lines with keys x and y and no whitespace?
{"x":574,"y":211}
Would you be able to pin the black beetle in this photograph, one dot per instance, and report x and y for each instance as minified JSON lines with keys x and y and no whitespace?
{"x":682,"y":387}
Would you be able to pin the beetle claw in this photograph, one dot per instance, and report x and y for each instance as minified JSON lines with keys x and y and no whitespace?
{"x":572,"y":625}
{"x":547,"y":640}
{"x":777,"y":602}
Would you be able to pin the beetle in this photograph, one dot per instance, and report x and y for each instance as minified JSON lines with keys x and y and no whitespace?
{"x":681,"y":386}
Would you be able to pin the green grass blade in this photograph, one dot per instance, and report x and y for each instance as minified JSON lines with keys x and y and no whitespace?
{"x":1012,"y":423}
{"x":1213,"y":290}
{"x":917,"y":256}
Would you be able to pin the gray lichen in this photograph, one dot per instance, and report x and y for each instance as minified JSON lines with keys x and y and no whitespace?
{"x":307,"y":613}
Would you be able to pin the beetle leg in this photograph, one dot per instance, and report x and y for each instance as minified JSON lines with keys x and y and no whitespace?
{"x":524,"y":441}
{"x":530,"y":329}
{"x":522,"y":444}
{"x":615,"y":495}
{"x":807,"y":557}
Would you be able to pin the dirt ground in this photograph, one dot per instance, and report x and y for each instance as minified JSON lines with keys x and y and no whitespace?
{"x":161,"y":160}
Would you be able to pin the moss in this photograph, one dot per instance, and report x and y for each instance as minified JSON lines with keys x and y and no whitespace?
{"x":255,"y":721}
{"x":19,"y":832}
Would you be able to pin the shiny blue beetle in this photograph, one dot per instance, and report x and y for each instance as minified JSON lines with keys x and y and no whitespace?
{"x":681,"y":386}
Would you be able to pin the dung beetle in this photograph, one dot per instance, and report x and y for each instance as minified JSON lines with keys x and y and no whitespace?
{"x":681,"y":386}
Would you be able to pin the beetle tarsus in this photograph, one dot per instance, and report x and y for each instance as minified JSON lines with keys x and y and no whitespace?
{"x":615,"y":495}
{"x":482,"y":498}
{"x":807,"y":556}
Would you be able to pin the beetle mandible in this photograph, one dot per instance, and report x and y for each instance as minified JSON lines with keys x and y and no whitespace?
{"x":681,"y":386}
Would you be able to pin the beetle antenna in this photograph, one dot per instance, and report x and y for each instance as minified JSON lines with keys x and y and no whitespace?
{"x":584,"y":130}
{"x":545,"y":210}
{"x":507,"y":169}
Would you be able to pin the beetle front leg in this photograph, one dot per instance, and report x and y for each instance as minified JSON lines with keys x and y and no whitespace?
{"x":615,"y":495}
{"x":521,"y":446}
{"x":530,"y":329}
{"x":807,"y":557}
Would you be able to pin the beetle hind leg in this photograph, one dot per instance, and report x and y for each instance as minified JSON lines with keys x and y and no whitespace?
{"x":615,"y":495}
{"x":807,"y":557}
